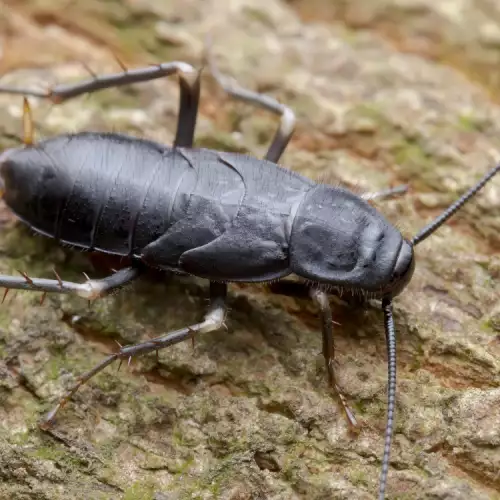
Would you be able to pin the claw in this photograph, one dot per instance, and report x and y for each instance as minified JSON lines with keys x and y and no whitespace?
{"x":7,"y":290}
{"x":49,"y":419}
{"x":44,"y":294}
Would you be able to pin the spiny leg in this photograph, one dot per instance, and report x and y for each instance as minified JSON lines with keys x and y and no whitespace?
{"x":287,"y":122}
{"x":213,"y":320}
{"x":91,"y":289}
{"x":321,"y":299}
{"x":189,"y":82}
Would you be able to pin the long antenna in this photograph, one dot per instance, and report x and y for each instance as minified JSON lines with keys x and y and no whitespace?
{"x":390,"y":335}
{"x":390,"y":332}
{"x":439,"y":221}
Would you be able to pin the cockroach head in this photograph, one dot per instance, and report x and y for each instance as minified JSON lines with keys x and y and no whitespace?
{"x":402,"y":272}
{"x":405,"y":264}
{"x":340,"y":240}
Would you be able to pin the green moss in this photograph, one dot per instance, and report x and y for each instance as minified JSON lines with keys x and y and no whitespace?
{"x":111,"y":382}
{"x":294,"y":456}
{"x":18,"y":243}
{"x":183,"y":467}
{"x":5,"y":317}
{"x":54,"y":365}
{"x":410,"y":153}
{"x":31,"y":409}
{"x":178,"y":438}
{"x":47,"y":453}
{"x":360,"y":407}
{"x":38,"y":256}
{"x":55,"y":454}
{"x":469,"y":123}
{"x":370,"y":118}
{"x":141,"y":490}
{"x":213,"y":481}
{"x":122,"y":97}
{"x":417,"y":165}
{"x":368,"y":110}
{"x":359,"y":478}
{"x":491,"y":325}
{"x":131,"y":28}
{"x":134,"y":27}
{"x":107,"y":449}
{"x":258,"y":15}
{"x":20,"y":438}
{"x":221,"y":142}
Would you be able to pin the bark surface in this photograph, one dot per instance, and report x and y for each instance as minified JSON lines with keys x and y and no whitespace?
{"x":386,"y":92}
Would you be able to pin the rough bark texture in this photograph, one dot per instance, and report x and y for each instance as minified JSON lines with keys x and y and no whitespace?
{"x":386,"y":92}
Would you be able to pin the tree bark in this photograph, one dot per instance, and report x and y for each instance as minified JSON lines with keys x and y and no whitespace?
{"x":385,"y":92}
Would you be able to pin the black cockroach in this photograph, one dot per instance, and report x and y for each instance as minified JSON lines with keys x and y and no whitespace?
{"x":221,"y":216}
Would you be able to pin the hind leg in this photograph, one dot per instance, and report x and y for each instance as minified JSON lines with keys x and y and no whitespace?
{"x":213,"y":320}
{"x":91,"y":289}
{"x":189,"y":83}
{"x":287,"y":116}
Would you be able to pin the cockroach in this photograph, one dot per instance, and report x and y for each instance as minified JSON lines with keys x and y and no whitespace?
{"x":222,"y":216}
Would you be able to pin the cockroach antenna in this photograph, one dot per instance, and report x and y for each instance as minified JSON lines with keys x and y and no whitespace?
{"x":390,"y":331}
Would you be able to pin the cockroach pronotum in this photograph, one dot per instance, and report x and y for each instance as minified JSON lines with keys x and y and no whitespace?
{"x":222,"y":216}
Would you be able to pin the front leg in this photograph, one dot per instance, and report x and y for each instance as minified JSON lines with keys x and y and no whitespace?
{"x":321,"y":299}
{"x":287,"y":116}
{"x":189,"y":85}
